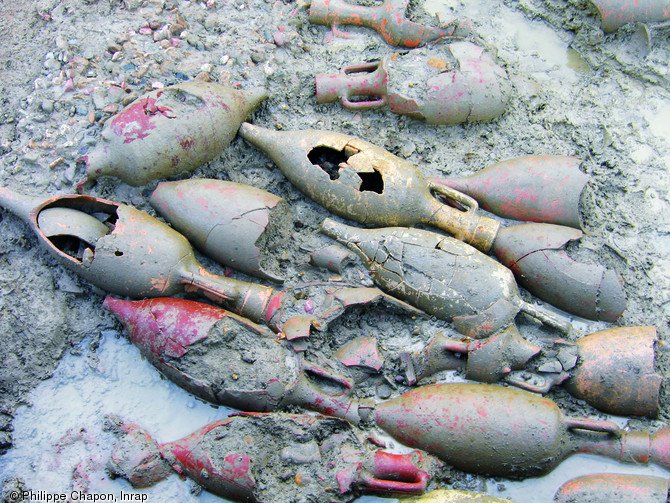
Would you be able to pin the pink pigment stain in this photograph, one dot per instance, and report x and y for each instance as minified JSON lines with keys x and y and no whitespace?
{"x":137,"y":120}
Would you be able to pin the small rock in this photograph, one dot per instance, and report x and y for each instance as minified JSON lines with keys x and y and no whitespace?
{"x":384,"y":391}
{"x":258,"y":56}
{"x":115,"y":94}
{"x":52,"y":64}
{"x":162,"y":34}
{"x":211,"y":22}
{"x":132,"y":4}
{"x":301,"y":453}
{"x":111,"y":109}
{"x":129,"y":98}
{"x":47,"y":106}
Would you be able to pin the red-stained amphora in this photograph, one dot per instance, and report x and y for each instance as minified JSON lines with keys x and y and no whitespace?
{"x":460,"y":83}
{"x":506,"y":432}
{"x":534,"y":188}
{"x":226,"y":359}
{"x":321,"y":459}
{"x":610,"y":487}
{"x":388,"y":19}
{"x":169,"y":131}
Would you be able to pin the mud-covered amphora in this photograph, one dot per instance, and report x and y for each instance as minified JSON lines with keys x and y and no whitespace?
{"x":169,"y":131}
{"x":253,"y":457}
{"x":506,"y":432}
{"x":365,"y":183}
{"x":459,"y":83}
{"x":388,"y":19}
{"x":616,"y":13}
{"x":226,"y":359}
{"x":127,"y":252}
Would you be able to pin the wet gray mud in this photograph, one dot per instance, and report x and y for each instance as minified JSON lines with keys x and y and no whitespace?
{"x":67,"y":67}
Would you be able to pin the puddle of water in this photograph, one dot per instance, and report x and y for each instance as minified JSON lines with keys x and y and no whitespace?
{"x":78,"y":396}
{"x":536,"y":48}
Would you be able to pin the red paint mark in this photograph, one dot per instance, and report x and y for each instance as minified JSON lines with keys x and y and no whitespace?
{"x":273,"y":307}
{"x":186,"y":143}
{"x":137,"y":120}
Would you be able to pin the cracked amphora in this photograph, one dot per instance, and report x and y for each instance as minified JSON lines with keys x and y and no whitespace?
{"x":461,"y":83}
{"x":365,"y":183}
{"x":127,"y":252}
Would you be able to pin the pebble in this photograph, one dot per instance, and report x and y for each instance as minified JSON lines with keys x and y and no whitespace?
{"x":162,"y":34}
{"x":47,"y":106}
{"x":115,"y":94}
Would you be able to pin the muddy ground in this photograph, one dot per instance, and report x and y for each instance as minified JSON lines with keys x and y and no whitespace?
{"x":66,"y":67}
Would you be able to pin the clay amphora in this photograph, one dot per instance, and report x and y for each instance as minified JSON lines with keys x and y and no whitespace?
{"x":235,"y":224}
{"x":253,"y":457}
{"x":226,"y":359}
{"x":465,"y":84}
{"x":610,"y":487}
{"x":615,"y":13}
{"x":613,"y":369}
{"x":506,"y":432}
{"x":440,"y":275}
{"x":169,"y":131}
{"x":388,"y":19}
{"x":129,"y":253}
{"x":534,"y":188}
{"x":536,"y":255}
{"x":365,"y":183}
{"x":454,"y":496}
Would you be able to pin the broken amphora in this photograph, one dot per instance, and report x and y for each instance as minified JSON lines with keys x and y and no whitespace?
{"x":226,"y":359}
{"x":169,"y":131}
{"x":235,"y":224}
{"x":534,"y":188}
{"x":507,"y":432}
{"x":613,"y":370}
{"x":388,"y":19}
{"x":465,"y":86}
{"x":254,"y":457}
{"x":440,"y":275}
{"x":610,"y":487}
{"x":127,"y":252}
{"x":365,"y":183}
{"x":616,"y":13}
